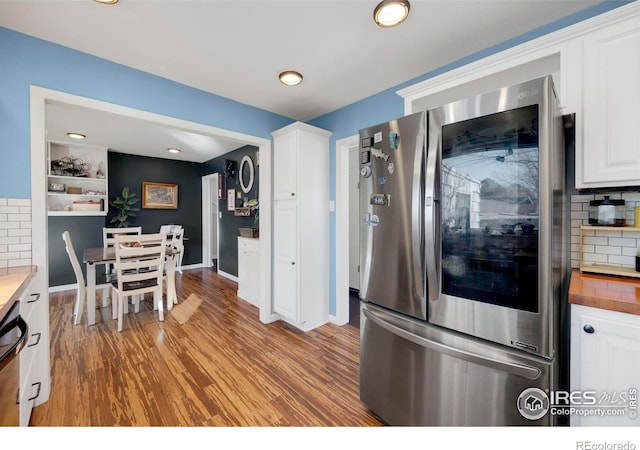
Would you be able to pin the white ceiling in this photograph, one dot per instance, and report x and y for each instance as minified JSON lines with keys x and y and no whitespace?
{"x":236,"y":48}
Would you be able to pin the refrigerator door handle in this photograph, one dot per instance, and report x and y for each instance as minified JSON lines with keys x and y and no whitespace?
{"x":528,"y":372}
{"x":431,"y":225}
{"x":417,"y":214}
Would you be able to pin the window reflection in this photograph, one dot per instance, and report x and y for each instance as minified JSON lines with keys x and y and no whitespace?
{"x":490,"y":209}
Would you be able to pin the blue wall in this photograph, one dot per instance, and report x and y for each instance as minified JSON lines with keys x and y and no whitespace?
{"x":26,"y":61}
{"x":387,"y":105}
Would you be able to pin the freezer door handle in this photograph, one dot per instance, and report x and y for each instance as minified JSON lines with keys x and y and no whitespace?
{"x":417,"y":214}
{"x":528,"y":372}
{"x":431,"y":212}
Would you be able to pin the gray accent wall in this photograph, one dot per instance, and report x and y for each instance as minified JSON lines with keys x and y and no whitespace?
{"x":229,"y":224}
{"x":132,"y":171}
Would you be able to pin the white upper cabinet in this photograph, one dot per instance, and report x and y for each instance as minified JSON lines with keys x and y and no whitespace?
{"x":285,"y":165}
{"x":610,"y":154}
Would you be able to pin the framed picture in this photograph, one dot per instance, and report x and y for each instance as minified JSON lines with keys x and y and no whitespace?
{"x":159,"y":195}
{"x":231,"y":199}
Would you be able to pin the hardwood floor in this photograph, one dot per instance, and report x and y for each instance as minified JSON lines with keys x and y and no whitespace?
{"x":223,"y":367}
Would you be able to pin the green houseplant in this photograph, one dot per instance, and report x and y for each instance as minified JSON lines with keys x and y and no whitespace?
{"x":124,"y":207}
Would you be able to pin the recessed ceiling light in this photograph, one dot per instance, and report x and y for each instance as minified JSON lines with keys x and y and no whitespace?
{"x":76,"y":135}
{"x":107,"y":2}
{"x":174,"y":150}
{"x":390,"y":13}
{"x":290,"y":77}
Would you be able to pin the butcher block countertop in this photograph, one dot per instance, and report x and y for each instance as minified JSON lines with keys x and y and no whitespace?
{"x":605,"y":292}
{"x":13,"y":280}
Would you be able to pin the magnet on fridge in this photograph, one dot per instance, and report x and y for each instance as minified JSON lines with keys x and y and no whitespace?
{"x":394,"y":139}
{"x":391,"y":167}
{"x":374,"y":220}
{"x":365,"y":171}
{"x":365,"y":219}
{"x":382,"y":180}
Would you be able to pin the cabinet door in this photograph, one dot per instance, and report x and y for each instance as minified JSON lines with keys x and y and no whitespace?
{"x":34,"y":357}
{"x":285,"y":166}
{"x":285,"y":271}
{"x":611,"y":108}
{"x":248,"y":271}
{"x":607,"y":361}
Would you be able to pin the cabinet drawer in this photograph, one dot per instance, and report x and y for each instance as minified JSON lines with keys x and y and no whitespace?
{"x":248,"y":244}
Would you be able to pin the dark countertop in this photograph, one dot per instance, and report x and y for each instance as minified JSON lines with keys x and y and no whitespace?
{"x":13,"y":281}
{"x":605,"y":292}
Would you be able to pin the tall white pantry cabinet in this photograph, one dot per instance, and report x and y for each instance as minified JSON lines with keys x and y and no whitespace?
{"x":301,"y":225}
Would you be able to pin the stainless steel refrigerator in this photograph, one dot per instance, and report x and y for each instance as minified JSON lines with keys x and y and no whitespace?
{"x":463,"y":260}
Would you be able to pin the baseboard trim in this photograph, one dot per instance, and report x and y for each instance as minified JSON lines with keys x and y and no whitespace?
{"x":227,"y":276}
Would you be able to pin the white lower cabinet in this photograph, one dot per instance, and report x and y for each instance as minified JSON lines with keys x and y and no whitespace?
{"x":249,"y":270}
{"x":605,"y":366}
{"x":35,"y":380}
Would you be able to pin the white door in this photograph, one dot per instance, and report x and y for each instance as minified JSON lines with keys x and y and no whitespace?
{"x":214,"y":186}
{"x":354,"y":224}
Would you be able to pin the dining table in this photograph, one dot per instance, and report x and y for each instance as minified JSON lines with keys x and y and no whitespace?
{"x":95,"y":256}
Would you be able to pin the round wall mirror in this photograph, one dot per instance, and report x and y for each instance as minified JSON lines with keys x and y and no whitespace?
{"x":246,"y":174}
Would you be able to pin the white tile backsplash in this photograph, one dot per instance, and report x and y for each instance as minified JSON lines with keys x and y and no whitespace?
{"x":15,"y":232}
{"x":615,"y":247}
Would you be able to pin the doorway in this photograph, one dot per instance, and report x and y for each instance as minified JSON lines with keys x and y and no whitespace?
{"x":39,"y":97}
{"x":346,"y":215}
{"x":210,"y":216}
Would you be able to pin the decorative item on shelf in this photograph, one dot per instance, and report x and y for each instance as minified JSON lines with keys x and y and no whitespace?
{"x":607,"y":212}
{"x":56,"y":187}
{"x":100,"y":171}
{"x":124,"y":207}
{"x":159,"y":195}
{"x":249,"y":232}
{"x":249,"y":209}
{"x":230,"y":168}
{"x":69,"y":166}
{"x":244,"y":212}
{"x":90,"y":205}
{"x":75,"y":190}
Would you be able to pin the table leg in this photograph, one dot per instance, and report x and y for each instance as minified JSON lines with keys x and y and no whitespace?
{"x":180,"y":261}
{"x":91,"y":294}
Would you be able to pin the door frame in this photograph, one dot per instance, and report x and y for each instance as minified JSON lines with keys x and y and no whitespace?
{"x":39,"y":97}
{"x":208,"y":182}
{"x":342,"y":227}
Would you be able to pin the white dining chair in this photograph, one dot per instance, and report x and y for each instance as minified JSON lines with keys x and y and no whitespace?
{"x":139,"y":269}
{"x":108,"y":239}
{"x":175,"y":244}
{"x":81,"y":291}
{"x":170,"y":230}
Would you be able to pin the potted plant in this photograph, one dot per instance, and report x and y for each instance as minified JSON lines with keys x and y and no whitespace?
{"x":124,"y":207}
